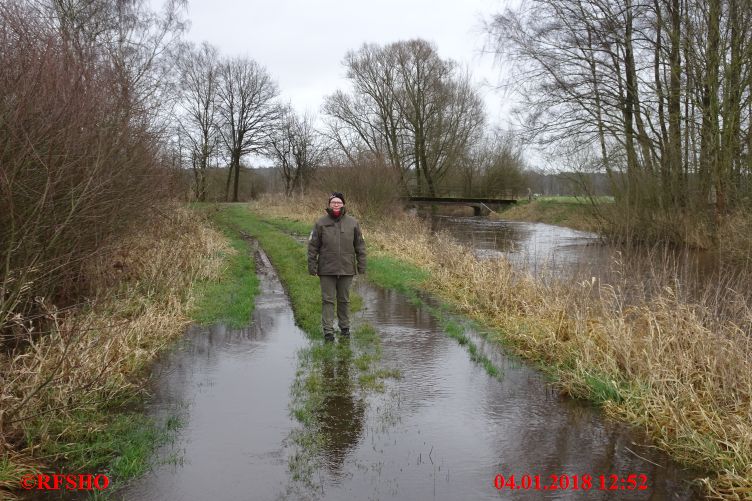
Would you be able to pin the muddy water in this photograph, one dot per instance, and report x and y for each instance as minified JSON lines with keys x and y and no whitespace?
{"x":442,"y":430}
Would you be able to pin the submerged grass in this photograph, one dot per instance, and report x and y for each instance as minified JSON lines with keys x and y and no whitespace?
{"x":406,"y":278}
{"x":290,"y":260}
{"x":331,"y":377}
{"x":329,"y":400}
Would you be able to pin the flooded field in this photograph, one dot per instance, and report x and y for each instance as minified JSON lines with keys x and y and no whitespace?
{"x":443,"y":429}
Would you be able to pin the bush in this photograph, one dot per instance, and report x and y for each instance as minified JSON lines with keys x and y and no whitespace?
{"x":80,"y":163}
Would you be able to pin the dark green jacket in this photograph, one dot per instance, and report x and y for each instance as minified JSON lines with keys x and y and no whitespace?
{"x":334,"y":245}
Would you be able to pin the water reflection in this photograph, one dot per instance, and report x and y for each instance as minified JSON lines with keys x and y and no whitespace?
{"x":340,"y":415}
{"x":443,"y":430}
{"x":231,"y":390}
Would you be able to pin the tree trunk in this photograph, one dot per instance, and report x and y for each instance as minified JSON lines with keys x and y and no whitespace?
{"x":628,"y":109}
{"x":674,"y":106}
{"x":237,"y":178}
{"x":709,"y":129}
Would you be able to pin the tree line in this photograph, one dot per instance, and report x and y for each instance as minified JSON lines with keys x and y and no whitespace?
{"x":406,"y":108}
{"x":655,"y":93}
{"x":104,"y":107}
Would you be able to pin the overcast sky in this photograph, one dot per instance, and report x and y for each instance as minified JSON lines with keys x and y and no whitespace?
{"x":302,"y":43}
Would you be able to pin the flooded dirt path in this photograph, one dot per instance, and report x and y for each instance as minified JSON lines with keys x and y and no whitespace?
{"x":442,"y":430}
{"x":445,"y":429}
{"x":230,"y":389}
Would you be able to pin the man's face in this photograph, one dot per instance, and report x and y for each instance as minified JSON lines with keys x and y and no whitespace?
{"x":335,"y":203}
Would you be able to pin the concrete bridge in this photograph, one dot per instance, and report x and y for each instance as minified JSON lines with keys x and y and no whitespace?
{"x":481,"y":206}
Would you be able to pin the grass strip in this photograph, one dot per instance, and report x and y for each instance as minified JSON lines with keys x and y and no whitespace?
{"x":290,"y":260}
{"x":229,"y":300}
{"x":573,"y":212}
{"x":330,"y":376}
{"x":120,"y":446}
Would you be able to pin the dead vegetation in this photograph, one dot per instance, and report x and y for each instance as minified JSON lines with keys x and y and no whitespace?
{"x":93,"y":356}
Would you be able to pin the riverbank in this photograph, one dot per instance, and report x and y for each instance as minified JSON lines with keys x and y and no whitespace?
{"x":71,"y":399}
{"x":674,"y":368}
{"x":573,"y":212}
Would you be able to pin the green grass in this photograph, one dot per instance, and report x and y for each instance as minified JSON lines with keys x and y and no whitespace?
{"x":280,"y":239}
{"x":390,"y":273}
{"x":231,"y":299}
{"x":332,"y":378}
{"x":291,"y":262}
{"x":405,"y":278}
{"x":327,"y":372}
{"x":120,"y":446}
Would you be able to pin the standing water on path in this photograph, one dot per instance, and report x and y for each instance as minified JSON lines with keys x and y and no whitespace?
{"x":231,"y":389}
{"x":443,"y":430}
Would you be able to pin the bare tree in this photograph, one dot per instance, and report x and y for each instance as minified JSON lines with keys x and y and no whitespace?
{"x":493,"y":167}
{"x":407,"y":106}
{"x":661,"y":88}
{"x":370,"y":119}
{"x":199,"y":82}
{"x":248,"y":112}
{"x":296,"y":148}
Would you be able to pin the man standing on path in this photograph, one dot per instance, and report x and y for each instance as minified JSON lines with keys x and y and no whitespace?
{"x":334,"y":245}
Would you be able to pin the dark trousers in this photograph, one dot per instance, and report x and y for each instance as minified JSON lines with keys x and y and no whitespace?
{"x":335,"y":288}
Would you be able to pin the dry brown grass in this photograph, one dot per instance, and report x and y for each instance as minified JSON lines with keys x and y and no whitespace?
{"x":680,"y":369}
{"x":95,"y":355}
{"x":735,"y":238}
{"x":308,"y":207}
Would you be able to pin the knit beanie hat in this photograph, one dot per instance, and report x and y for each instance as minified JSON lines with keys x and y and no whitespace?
{"x":337,"y":194}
